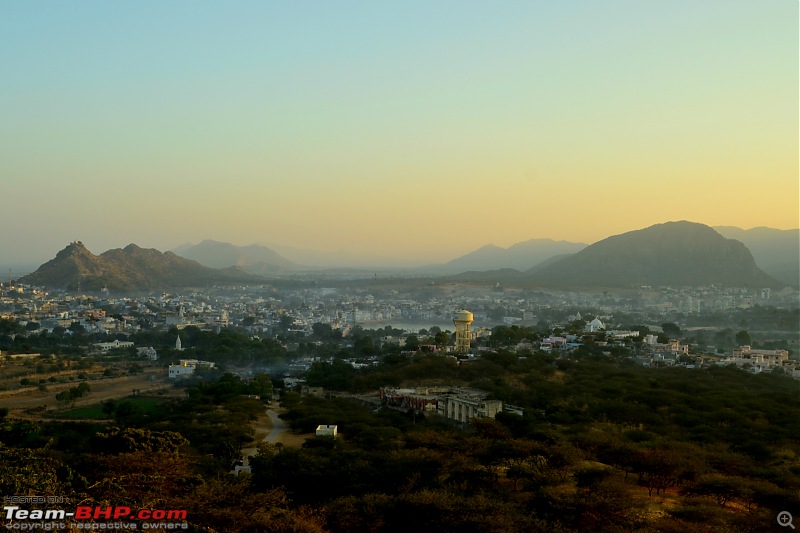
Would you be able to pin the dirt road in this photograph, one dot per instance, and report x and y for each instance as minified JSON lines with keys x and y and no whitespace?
{"x":270,"y":428}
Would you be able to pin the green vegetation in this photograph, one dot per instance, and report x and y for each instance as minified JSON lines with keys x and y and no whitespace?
{"x":604,"y":444}
{"x":104,"y":410}
{"x":73,"y":393}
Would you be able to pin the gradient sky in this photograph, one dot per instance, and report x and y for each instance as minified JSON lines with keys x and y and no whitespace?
{"x":409,"y":129}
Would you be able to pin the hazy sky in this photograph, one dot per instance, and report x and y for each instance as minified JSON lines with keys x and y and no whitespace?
{"x":406,"y":129}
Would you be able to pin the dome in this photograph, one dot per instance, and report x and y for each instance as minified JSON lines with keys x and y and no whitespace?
{"x":595,"y":325}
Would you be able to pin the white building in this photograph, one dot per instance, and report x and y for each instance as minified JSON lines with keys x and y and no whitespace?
{"x":106,"y":346}
{"x":148,"y":352}
{"x":327,"y":430}
{"x":187,"y":367}
{"x":594,"y":326}
{"x":179,"y":371}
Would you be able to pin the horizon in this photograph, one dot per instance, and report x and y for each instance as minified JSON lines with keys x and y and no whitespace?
{"x":414,"y":132}
{"x":367,"y":261}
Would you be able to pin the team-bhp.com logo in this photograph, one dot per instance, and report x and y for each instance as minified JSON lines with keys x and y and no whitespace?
{"x":86,"y":517}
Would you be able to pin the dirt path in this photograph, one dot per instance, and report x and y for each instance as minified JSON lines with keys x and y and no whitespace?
{"x":277,"y":427}
{"x":270,"y":428}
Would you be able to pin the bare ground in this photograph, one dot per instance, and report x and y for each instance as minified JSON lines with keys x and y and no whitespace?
{"x":269,"y":428}
{"x":150,"y":381}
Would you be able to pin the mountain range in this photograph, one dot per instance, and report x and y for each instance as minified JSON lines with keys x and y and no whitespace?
{"x":128,"y":269}
{"x":674,"y":253}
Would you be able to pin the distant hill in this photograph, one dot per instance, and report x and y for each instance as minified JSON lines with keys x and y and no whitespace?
{"x":776,"y":251}
{"x":547,"y":262}
{"x":255,"y":258}
{"x":501,"y":275}
{"x":128,"y":269}
{"x":520,"y":256}
{"x":674,"y":253}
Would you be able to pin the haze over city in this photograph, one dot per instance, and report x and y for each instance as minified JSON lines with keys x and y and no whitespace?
{"x":410,"y":130}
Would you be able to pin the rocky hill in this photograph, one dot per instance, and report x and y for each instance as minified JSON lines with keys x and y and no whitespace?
{"x":674,"y":253}
{"x":128,"y":269}
{"x":776,"y":251}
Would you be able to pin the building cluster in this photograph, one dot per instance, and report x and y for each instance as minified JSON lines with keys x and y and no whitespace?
{"x":265,"y":310}
{"x":293,"y":313}
{"x":454,"y":403}
{"x":761,"y":360}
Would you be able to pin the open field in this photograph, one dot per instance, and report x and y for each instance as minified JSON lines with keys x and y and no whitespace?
{"x":21,"y":401}
{"x":142,"y":404}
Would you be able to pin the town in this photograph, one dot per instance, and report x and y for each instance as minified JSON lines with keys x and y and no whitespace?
{"x":752,"y":329}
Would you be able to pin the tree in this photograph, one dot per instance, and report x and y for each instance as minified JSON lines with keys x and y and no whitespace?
{"x":671,"y":329}
{"x":27,"y":471}
{"x":132,"y":440}
{"x":261,"y":384}
{"x":724,"y":339}
{"x":364,"y":346}
{"x":125,"y":412}
{"x":109,"y":406}
{"x":722,"y":488}
{"x":533,"y":468}
{"x":743,"y":338}
{"x":336,"y":376}
{"x":72,"y":394}
{"x":441,"y":338}
{"x":412,"y":343}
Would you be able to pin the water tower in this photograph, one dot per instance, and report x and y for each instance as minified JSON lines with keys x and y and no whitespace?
{"x":462,"y":322}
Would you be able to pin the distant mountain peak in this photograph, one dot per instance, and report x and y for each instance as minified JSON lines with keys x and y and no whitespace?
{"x":680,"y":253}
{"x":129,"y":269}
{"x":520,"y":256}
{"x":73,"y":248}
{"x":776,"y":251}
{"x":253,"y":258}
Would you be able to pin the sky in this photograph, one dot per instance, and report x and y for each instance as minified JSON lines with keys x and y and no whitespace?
{"x":411,"y":129}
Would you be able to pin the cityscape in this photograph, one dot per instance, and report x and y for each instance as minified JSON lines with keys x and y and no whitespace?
{"x":383,"y":267}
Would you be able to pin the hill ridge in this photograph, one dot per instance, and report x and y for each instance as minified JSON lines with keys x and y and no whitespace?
{"x":678,"y":253}
{"x":127,"y":269}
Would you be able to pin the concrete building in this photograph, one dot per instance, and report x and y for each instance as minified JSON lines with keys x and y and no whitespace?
{"x":454,"y":403}
{"x":179,"y":371}
{"x":327,"y":430}
{"x":106,"y":346}
{"x":187,"y":367}
{"x":317,"y":392}
{"x":761,"y":359}
{"x":465,"y":404}
{"x":463,"y":323}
